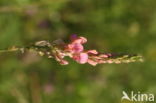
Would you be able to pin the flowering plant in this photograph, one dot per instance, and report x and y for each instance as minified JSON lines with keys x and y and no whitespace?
{"x":58,"y":50}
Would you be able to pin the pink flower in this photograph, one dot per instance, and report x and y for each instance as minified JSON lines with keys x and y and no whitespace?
{"x":58,"y":55}
{"x":104,"y":55}
{"x":81,"y":58}
{"x":80,"y":40}
{"x":75,"y":39}
{"x":91,"y":62}
{"x":76,"y":44}
{"x":74,"y":48}
{"x":92,"y":52}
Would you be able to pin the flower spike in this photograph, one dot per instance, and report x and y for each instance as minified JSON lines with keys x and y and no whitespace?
{"x":75,"y":50}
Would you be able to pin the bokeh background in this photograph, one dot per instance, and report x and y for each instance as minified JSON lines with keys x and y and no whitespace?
{"x":117,"y":26}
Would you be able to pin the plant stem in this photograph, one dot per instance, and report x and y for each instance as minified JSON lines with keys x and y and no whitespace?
{"x":13,"y":49}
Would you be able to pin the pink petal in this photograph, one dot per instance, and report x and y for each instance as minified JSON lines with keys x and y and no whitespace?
{"x":92,"y":52}
{"x":80,"y":40}
{"x":91,"y":62}
{"x":59,"y":57}
{"x":75,"y":48}
{"x":81,"y":58}
{"x":83,"y":40}
{"x":64,"y":62}
{"x":102,"y":61}
{"x":103,"y":55}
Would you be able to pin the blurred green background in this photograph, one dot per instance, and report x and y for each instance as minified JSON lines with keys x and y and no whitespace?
{"x":109,"y":25}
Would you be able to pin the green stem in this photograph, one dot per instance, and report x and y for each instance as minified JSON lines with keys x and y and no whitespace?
{"x":13,"y":49}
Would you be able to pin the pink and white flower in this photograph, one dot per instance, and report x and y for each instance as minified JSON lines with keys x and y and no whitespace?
{"x":81,"y":58}
{"x":75,"y":50}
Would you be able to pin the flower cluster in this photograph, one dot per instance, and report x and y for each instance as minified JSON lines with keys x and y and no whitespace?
{"x":75,"y":50}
